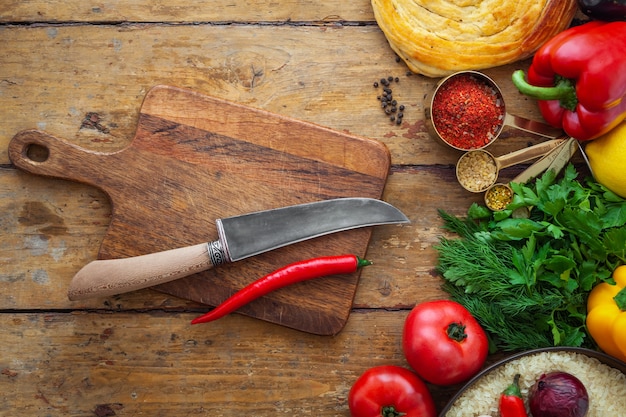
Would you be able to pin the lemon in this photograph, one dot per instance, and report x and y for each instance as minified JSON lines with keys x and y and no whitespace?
{"x":607,"y":158}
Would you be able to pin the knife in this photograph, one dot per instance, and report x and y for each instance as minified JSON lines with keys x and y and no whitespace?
{"x":239,"y":237}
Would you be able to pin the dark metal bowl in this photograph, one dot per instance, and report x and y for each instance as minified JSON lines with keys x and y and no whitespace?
{"x":602,"y":357}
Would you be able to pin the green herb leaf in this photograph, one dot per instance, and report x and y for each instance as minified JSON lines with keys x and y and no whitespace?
{"x":614,"y":241}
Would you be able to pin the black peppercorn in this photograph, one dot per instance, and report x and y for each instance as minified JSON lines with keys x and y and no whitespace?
{"x":388,"y":103}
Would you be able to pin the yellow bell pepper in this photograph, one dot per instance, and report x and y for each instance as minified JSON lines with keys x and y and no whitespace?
{"x":606,"y":315}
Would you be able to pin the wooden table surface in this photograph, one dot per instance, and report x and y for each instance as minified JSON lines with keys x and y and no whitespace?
{"x":80,"y":70}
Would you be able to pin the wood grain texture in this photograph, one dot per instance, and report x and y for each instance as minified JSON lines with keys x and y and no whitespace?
{"x":87,"y":83}
{"x":219,"y":11}
{"x":80,"y":71}
{"x":174,"y":369}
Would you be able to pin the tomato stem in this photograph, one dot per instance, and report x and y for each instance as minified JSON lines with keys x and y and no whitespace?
{"x":456,"y":331}
{"x":390,"y":411}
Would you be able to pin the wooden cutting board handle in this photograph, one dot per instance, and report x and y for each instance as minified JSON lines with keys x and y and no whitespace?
{"x":40,"y":153}
{"x":116,"y":276}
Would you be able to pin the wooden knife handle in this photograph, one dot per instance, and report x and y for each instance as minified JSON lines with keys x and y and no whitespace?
{"x":117,"y":276}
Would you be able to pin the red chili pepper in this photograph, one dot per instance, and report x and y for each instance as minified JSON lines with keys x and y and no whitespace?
{"x":579,"y":78}
{"x":511,"y":401}
{"x":287,"y":275}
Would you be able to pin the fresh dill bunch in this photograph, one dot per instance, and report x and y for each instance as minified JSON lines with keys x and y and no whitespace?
{"x":478,"y":266}
{"x":507,"y":332}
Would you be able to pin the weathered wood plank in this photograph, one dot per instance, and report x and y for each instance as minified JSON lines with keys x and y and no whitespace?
{"x":185,"y":11}
{"x":86,"y":83}
{"x":157,"y":364}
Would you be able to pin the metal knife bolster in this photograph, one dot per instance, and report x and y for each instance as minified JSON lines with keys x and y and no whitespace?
{"x":218,"y":249}
{"x":216,"y":253}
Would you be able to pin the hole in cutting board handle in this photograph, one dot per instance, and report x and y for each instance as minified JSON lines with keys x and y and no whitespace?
{"x":37,"y":153}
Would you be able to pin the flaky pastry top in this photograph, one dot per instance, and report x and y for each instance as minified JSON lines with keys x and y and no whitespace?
{"x":439,"y":37}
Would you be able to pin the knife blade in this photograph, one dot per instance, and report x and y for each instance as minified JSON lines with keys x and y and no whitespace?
{"x":239,"y":237}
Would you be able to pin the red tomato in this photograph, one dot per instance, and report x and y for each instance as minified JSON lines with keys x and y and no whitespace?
{"x":390,"y":391}
{"x":443,"y":342}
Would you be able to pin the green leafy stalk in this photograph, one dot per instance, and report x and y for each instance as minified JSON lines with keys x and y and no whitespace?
{"x":526,"y":279}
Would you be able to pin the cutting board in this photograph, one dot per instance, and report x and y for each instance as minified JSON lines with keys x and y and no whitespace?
{"x":196,"y":158}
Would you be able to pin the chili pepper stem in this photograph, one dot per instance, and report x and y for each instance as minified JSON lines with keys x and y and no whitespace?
{"x":514,"y":388}
{"x":563,"y":90}
{"x":360,"y":262}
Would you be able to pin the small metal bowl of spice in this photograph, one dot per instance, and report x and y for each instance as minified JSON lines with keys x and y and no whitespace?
{"x":477,"y":170}
{"x":498,"y":196}
{"x":465,"y":111}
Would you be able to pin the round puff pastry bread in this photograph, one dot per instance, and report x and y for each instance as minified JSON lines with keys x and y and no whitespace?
{"x":439,"y":37}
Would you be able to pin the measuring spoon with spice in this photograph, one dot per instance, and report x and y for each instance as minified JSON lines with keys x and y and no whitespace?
{"x":500,"y":195}
{"x":466,"y":110}
{"x":478,"y":170}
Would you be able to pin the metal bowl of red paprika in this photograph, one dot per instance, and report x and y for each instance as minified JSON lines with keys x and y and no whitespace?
{"x":477,"y":381}
{"x":466,"y":111}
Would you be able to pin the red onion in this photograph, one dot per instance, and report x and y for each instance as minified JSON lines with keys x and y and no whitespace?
{"x":558,"y":394}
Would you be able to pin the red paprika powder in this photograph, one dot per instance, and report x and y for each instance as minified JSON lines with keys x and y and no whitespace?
{"x":467,"y":112}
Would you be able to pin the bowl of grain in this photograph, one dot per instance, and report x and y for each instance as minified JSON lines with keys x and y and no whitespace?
{"x":604,"y":378}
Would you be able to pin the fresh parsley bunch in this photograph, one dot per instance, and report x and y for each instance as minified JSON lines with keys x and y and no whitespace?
{"x":525,"y":272}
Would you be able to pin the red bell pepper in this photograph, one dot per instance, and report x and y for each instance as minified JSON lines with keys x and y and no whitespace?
{"x":579,"y":78}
